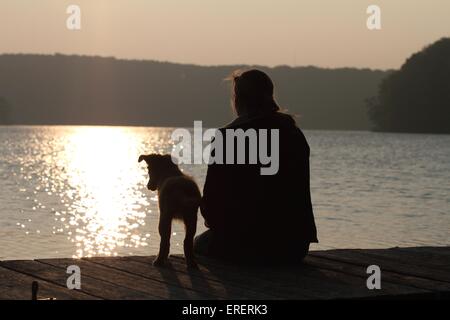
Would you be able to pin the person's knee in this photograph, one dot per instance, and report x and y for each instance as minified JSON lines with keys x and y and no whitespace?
{"x":202,"y":243}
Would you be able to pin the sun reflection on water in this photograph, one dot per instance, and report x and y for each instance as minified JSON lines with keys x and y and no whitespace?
{"x":79,"y":191}
{"x":104,"y":202}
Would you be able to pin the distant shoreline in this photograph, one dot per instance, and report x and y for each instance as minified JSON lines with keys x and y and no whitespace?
{"x":173,"y":127}
{"x":175,"y":63}
{"x":62,"y":89}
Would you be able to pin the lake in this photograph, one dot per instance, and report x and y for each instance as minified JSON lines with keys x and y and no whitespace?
{"x":77,"y":191}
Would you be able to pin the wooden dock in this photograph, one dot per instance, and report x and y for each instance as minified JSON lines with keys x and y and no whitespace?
{"x":422,"y":272}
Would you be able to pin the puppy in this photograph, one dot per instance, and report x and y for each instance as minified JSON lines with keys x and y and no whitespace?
{"x":179,"y":198}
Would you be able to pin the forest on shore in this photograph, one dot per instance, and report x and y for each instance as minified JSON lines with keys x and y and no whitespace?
{"x":83,"y":90}
{"x":74,"y":90}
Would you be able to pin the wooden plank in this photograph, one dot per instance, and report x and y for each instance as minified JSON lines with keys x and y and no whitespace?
{"x":59,"y":277}
{"x":438,"y":251}
{"x":387,"y":276}
{"x":249,"y":283}
{"x":334,"y":274}
{"x":311,"y":281}
{"x":432,"y":257}
{"x":17,"y":286}
{"x":420,"y":258}
{"x":206,"y":288}
{"x":154,"y":289}
{"x":366,"y":258}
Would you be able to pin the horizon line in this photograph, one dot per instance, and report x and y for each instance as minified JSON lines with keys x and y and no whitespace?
{"x":193,"y":64}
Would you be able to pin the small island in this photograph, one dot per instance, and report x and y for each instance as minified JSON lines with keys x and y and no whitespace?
{"x":416,"y":98}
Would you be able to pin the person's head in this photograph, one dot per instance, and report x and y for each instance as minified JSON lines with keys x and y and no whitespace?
{"x":252,"y":93}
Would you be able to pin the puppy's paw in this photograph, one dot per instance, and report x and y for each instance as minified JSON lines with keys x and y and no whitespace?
{"x":159,"y":262}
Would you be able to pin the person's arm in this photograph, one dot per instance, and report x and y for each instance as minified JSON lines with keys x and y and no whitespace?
{"x":310,"y":231}
{"x":211,"y":206}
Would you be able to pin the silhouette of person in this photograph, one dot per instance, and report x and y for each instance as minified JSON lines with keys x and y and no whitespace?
{"x":254,"y":218}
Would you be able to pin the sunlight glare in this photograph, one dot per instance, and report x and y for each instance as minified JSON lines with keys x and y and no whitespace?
{"x":105,"y":181}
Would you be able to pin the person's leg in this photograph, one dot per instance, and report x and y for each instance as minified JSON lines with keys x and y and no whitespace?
{"x":303,"y":251}
{"x":202,"y":243}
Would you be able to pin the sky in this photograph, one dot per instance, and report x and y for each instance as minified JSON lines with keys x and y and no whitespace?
{"x":324,"y":33}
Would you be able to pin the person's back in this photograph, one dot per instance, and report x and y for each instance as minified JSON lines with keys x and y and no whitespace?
{"x":255,"y":217}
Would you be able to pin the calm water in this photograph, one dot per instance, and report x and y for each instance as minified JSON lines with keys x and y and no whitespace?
{"x":79,"y":191}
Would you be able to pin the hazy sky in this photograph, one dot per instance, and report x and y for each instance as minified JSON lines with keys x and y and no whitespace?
{"x":327,"y":33}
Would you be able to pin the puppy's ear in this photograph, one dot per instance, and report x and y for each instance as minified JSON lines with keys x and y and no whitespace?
{"x":142,"y":157}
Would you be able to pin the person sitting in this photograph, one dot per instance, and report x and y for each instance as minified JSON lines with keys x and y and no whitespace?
{"x":255,"y":218}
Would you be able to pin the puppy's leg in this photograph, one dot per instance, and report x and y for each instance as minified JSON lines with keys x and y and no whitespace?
{"x":190,"y":223}
{"x":164,"y":228}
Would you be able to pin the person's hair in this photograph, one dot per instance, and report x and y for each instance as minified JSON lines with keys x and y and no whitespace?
{"x":252,"y":92}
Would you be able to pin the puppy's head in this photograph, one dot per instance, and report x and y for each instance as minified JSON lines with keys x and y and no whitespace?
{"x":159,"y":168}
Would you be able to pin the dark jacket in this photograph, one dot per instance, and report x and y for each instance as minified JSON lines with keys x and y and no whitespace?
{"x":254,"y":214}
